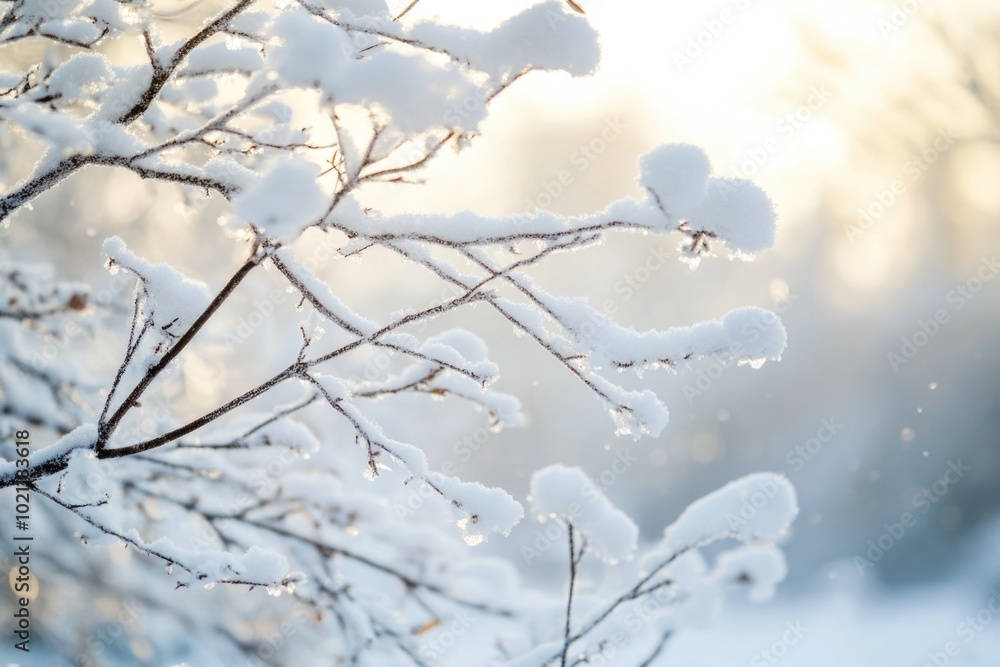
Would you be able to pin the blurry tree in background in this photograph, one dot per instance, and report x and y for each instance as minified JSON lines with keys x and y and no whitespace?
{"x":908,"y":231}
{"x":160,"y":518}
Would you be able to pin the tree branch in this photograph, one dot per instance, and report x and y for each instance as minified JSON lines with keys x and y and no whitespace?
{"x":106,"y":429}
{"x":162,"y":74}
{"x":569,"y":596}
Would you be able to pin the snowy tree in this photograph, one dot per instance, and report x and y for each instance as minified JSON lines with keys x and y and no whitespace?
{"x":155,"y":534}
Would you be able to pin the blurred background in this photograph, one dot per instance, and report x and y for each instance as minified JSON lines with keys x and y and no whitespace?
{"x":875,"y":128}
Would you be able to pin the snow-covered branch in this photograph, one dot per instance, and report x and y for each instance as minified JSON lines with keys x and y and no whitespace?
{"x":294,"y":118}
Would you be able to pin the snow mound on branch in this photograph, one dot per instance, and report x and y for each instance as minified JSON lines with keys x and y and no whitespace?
{"x":760,"y":506}
{"x":255,"y":566}
{"x":677,"y":174}
{"x":462,"y":349}
{"x":543,"y":37}
{"x":313,"y":53}
{"x":90,"y":72}
{"x":480,"y":510}
{"x":746,"y":335}
{"x":484,"y":509}
{"x":756,"y":334}
{"x":82,"y":436}
{"x":86,"y":479}
{"x":558,"y":491}
{"x":175,"y":301}
{"x":739,"y":213}
{"x":285,"y":201}
{"x":734,"y":210}
{"x":394,"y":81}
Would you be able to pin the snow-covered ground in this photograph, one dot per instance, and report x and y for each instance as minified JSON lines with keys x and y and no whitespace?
{"x":914,"y":627}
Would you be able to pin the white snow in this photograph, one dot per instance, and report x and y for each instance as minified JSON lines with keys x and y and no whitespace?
{"x":86,"y":480}
{"x":677,"y":174}
{"x":333,"y":388}
{"x":312,"y":53}
{"x":128,"y":85}
{"x":481,"y":510}
{"x":265,"y":565}
{"x":641,"y":412}
{"x":393,"y":80}
{"x":545,"y":37}
{"x":745,"y":335}
{"x":78,"y":29}
{"x":84,"y":435}
{"x":230,"y":172}
{"x":734,"y":210}
{"x":255,"y":566}
{"x":760,"y":506}
{"x":327,"y":303}
{"x":174,"y":302}
{"x":484,"y":510}
{"x":739,"y":213}
{"x":84,"y":72}
{"x":566,"y":493}
{"x":760,"y":566}
{"x":58,"y":128}
{"x":285,"y":201}
{"x":462,"y":349}
{"x":468,"y":227}
{"x":223,"y":57}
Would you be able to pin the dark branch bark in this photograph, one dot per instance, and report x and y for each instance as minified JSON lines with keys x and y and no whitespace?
{"x":159,"y":441}
{"x":37,"y":186}
{"x":569,"y":597}
{"x":107,"y":428}
{"x":162,"y":74}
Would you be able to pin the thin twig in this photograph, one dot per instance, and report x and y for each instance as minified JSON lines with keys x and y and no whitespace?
{"x":569,"y":596}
